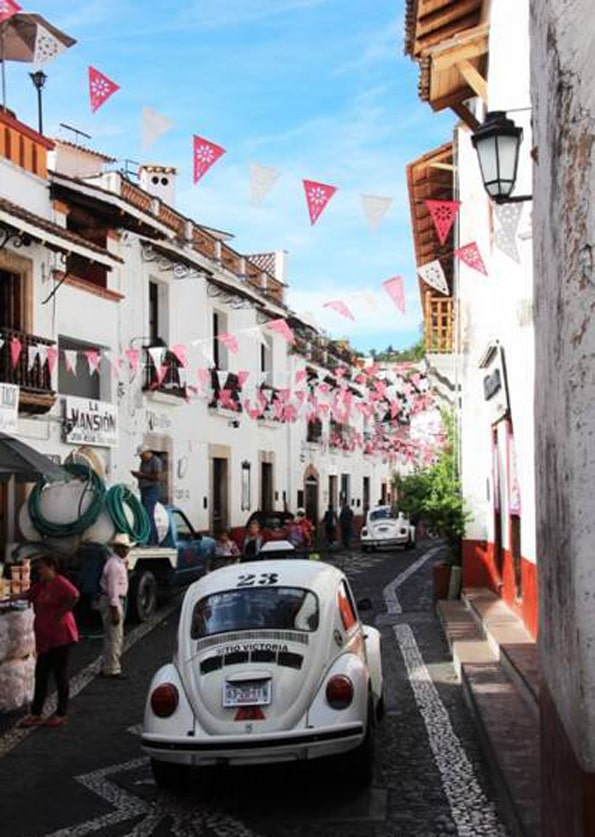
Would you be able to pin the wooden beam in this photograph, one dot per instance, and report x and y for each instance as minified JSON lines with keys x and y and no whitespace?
{"x":474,"y":79}
{"x":442,"y":166}
{"x":463,"y":112}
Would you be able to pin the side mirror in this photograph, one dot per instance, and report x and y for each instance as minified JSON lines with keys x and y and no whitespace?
{"x":364,"y":604}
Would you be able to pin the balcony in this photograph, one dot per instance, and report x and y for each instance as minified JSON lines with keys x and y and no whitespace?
{"x":35,"y":381}
{"x":341,"y":436}
{"x":227,"y":397}
{"x":438,"y":324}
{"x":169,"y":380}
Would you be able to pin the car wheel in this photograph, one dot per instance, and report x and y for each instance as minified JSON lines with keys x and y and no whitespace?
{"x":170,"y":776}
{"x":380,"y":708}
{"x":365,"y":548}
{"x":143,"y":597}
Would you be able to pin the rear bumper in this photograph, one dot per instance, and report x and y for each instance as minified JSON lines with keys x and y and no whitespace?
{"x":402,"y":540}
{"x":295,"y":745}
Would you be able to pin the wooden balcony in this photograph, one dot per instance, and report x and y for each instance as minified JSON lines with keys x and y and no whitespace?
{"x":438,"y":324}
{"x":36,"y":392}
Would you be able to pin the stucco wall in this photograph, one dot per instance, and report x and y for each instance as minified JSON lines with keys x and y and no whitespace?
{"x":563,"y":62}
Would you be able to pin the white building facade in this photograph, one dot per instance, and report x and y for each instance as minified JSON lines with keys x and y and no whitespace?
{"x":123,"y":323}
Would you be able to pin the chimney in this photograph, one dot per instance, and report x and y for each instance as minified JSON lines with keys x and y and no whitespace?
{"x":159,"y":181}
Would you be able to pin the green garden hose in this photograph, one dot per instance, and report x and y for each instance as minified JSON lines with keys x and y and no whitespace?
{"x":119,"y":496}
{"x":93,"y":482}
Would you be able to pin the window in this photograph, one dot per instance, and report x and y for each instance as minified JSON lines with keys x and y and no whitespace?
{"x":382,"y":514}
{"x":314,"y":433}
{"x":92,"y":229}
{"x":266,"y":360}
{"x":80,"y":381}
{"x":153,"y":313}
{"x":249,"y":608}
{"x":158,"y":325}
{"x":220,"y":354}
{"x":183,"y":528}
{"x":346,"y":607}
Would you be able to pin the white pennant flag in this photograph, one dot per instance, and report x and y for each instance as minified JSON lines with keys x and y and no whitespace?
{"x":47,"y":47}
{"x":433,"y":275}
{"x":157,"y":354}
{"x":262,"y":182}
{"x":509,"y":216}
{"x":255,"y":333}
{"x":42,"y":352}
{"x":154,"y":126}
{"x":32,"y":355}
{"x":222,"y":378}
{"x":375,"y":208}
{"x":70,"y":360}
{"x":505,"y":241}
{"x":369,"y":297}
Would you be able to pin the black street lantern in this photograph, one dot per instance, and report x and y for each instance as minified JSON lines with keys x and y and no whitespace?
{"x":497,"y":143}
{"x":39,"y":79}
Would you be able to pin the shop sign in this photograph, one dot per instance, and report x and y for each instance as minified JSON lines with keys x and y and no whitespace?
{"x":9,"y":407}
{"x":90,"y":422}
{"x":495,"y":388}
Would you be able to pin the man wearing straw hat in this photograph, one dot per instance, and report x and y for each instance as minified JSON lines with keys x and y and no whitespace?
{"x":114,"y":588}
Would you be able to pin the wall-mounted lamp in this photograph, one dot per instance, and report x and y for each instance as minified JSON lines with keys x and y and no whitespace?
{"x":498,"y":143}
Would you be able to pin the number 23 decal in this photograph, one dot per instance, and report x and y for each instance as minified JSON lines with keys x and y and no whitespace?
{"x":251,"y":579}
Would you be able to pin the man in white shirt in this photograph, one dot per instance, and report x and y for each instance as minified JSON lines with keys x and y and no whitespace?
{"x":114,"y":588}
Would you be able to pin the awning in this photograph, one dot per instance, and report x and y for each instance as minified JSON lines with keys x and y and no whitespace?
{"x":52,"y":235}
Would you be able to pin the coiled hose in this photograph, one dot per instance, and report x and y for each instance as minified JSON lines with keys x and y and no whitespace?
{"x":84,"y":520}
{"x":119,"y":496}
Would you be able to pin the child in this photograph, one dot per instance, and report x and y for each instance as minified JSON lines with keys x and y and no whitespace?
{"x":226,"y":552}
{"x":252,"y":542}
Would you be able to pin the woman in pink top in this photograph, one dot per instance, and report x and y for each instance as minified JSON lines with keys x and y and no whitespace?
{"x":53,"y":598}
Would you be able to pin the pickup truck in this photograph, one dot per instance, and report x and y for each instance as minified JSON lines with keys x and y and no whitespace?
{"x":154,"y":571}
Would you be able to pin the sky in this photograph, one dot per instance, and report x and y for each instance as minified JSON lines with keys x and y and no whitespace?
{"x":319,"y":89}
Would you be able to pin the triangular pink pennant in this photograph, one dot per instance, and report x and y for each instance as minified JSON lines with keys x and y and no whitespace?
{"x":205,"y":153}
{"x":93,"y":359}
{"x":52,"y":356}
{"x":300,"y":376}
{"x":204,"y":377}
{"x":396,"y":290}
{"x":230,"y":341}
{"x":443,"y":215}
{"x":317,"y":197}
{"x":100,"y":88}
{"x":180,"y":353}
{"x":226,"y":400}
{"x":16,"y":347}
{"x":243,"y":376}
{"x":281,"y":327}
{"x":8,"y":8}
{"x":470,"y":255}
{"x":160,"y":373}
{"x":340,"y":307}
{"x":133,"y":356}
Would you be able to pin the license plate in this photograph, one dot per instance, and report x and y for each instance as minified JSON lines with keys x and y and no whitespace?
{"x":248,"y":693}
{"x":384,"y":528}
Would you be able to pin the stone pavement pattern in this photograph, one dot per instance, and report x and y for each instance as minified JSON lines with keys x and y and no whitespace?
{"x":429,"y":778}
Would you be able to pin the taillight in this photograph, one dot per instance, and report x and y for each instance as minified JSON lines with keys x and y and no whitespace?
{"x":339,"y":691}
{"x":164,"y":700}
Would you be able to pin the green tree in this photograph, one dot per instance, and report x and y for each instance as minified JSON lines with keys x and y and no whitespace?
{"x":434,"y":494}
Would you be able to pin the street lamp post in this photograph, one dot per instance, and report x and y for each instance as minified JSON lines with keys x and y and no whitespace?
{"x":497,"y":143}
{"x":39,"y":79}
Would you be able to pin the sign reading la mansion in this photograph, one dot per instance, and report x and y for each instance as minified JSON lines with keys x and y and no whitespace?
{"x":90,"y":422}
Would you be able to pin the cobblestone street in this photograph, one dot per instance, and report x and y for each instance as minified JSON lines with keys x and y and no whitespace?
{"x":429,"y":777}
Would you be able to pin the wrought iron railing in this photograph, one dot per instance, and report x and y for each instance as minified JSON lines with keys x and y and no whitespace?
{"x":31,"y":370}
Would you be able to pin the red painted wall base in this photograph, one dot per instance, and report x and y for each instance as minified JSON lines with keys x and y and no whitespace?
{"x":480,"y":570}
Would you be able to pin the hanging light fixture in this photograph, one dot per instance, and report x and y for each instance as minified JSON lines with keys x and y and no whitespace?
{"x":498,"y":143}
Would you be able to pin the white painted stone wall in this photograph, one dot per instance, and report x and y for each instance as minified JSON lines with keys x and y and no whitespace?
{"x":497,"y":307}
{"x":191,"y":427}
{"x":563,"y":64}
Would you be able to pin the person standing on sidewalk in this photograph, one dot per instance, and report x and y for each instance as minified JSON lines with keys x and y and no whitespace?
{"x":53,"y":598}
{"x":114,"y":588}
{"x":149,"y":477}
{"x":346,"y":524}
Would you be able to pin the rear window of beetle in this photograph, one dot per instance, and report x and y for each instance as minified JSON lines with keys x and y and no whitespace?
{"x":255,"y":608}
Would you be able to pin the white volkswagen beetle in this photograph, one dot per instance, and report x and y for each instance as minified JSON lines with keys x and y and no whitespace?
{"x":272,"y":665}
{"x":384,"y":528}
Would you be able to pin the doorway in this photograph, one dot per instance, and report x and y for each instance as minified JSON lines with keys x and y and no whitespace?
{"x":219,"y":494}
{"x":333,"y":491}
{"x":311,"y":496}
{"x":498,"y":556}
{"x":366,"y":494}
{"x":12,"y":302}
{"x":266,"y":486}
